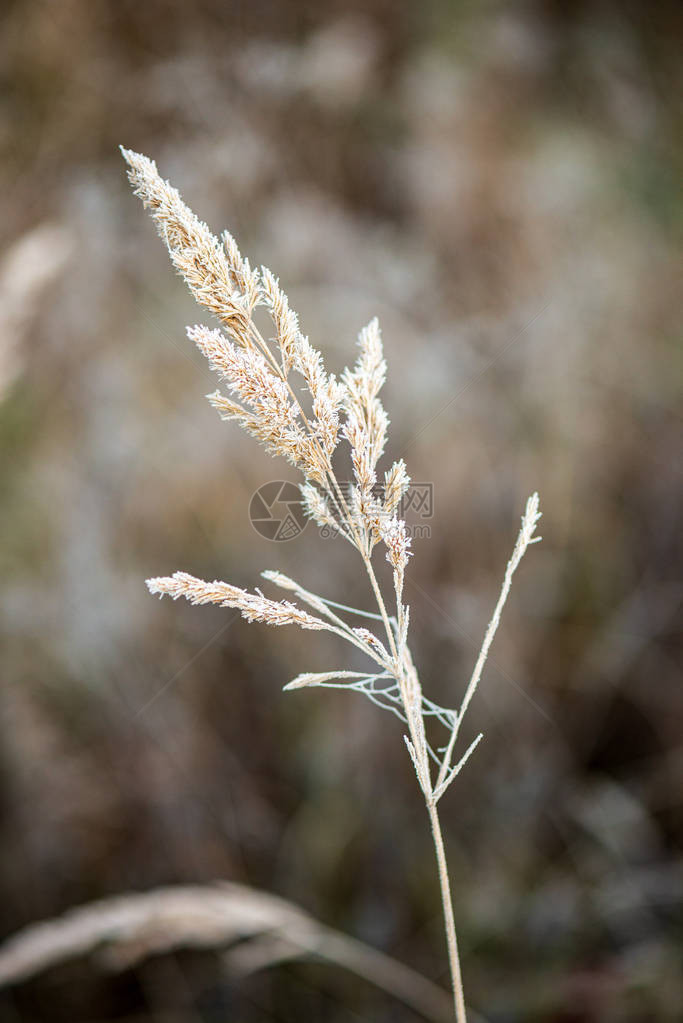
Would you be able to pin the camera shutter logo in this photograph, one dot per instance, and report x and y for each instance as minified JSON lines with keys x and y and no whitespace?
{"x":276,"y":511}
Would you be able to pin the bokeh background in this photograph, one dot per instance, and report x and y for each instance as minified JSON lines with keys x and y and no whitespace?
{"x":500,"y":184}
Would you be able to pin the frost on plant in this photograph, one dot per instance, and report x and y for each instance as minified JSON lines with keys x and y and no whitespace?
{"x":263,"y":378}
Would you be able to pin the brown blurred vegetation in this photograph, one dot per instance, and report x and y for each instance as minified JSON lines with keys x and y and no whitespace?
{"x":501,"y":185}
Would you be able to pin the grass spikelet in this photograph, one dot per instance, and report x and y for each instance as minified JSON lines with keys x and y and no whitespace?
{"x":396,"y":483}
{"x":252,"y":606}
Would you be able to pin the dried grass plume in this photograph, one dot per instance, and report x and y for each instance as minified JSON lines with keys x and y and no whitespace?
{"x":265,"y":380}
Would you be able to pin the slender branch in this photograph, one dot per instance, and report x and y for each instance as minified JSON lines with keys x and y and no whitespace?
{"x":381,"y":605}
{"x":441,"y":787}
{"x":352,"y":610}
{"x":445,"y":763}
{"x":525,"y":538}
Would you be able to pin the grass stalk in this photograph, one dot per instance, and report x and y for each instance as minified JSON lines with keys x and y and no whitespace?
{"x":263,"y":400}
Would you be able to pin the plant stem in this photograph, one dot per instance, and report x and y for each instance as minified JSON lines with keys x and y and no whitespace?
{"x":449,"y":920}
{"x":446,"y":899}
{"x":381,"y":605}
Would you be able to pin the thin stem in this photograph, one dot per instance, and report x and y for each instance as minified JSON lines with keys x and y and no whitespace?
{"x":525,"y":538}
{"x":449,"y":919}
{"x":446,"y":762}
{"x":381,"y":605}
{"x":352,"y":610}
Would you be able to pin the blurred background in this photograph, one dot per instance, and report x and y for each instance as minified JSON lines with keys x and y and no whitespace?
{"x":500,"y":184}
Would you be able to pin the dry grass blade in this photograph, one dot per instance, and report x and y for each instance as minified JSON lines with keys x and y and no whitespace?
{"x":126,"y":929}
